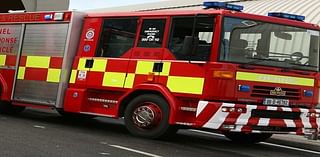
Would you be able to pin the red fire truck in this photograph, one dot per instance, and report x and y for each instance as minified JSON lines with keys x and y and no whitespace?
{"x":247,"y":76}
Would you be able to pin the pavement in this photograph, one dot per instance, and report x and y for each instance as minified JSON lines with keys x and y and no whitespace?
{"x":295,"y":141}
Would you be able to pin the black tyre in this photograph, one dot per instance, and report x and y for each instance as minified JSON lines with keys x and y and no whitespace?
{"x":249,"y":138}
{"x":8,"y":108}
{"x":148,"y":116}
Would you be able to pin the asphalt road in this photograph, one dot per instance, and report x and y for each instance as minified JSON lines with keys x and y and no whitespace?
{"x":37,"y":133}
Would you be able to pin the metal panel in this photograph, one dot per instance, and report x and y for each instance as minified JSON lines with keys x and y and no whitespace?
{"x":72,"y":45}
{"x":38,"y":92}
{"x":45,"y":39}
{"x":41,"y":40}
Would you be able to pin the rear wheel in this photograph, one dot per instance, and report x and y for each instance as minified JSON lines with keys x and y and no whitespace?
{"x":247,"y":138}
{"x":8,"y":108}
{"x":148,"y":116}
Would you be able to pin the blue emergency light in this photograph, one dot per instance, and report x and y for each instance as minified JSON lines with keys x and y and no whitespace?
{"x":222,"y":5}
{"x":287,"y":16}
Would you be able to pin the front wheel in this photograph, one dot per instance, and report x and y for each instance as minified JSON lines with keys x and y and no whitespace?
{"x":248,"y":138}
{"x":148,"y":116}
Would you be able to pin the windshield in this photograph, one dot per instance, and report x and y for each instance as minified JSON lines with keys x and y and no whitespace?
{"x":255,"y":42}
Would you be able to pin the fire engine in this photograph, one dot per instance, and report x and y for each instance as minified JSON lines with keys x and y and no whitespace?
{"x":247,"y":76}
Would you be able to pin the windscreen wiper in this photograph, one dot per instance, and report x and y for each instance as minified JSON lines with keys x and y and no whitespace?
{"x":253,"y":62}
{"x":297,"y":67}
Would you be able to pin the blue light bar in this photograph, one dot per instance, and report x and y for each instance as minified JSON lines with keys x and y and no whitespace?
{"x":308,"y":93}
{"x":222,"y":5}
{"x":48,"y":17}
{"x":287,"y":16}
{"x":244,"y":88}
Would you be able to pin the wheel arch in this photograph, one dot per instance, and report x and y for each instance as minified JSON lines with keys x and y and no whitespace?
{"x":3,"y":88}
{"x":149,"y":89}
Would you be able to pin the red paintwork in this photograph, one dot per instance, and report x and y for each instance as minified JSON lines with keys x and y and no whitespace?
{"x":215,"y":90}
{"x":30,"y":17}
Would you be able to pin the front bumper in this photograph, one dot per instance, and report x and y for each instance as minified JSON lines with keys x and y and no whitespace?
{"x":256,"y":119}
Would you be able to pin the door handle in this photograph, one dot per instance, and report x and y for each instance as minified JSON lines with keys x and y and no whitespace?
{"x":157,"y":67}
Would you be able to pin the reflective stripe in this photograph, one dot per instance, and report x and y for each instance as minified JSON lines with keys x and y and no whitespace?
{"x":21,"y":73}
{"x":38,"y":61}
{"x":144,"y":67}
{"x":113,"y":79}
{"x":82,"y":64}
{"x":129,"y":81}
{"x":190,"y":85}
{"x":73,"y":76}
{"x":99,"y":65}
{"x":53,"y":75}
{"x":247,"y":76}
{"x":3,"y":60}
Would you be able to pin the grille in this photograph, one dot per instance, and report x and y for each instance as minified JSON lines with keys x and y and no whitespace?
{"x":264,"y":91}
{"x":275,"y":114}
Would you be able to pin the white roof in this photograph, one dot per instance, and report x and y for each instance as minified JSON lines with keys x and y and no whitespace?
{"x":308,"y":8}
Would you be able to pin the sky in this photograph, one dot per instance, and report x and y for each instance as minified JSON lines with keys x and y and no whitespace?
{"x":93,"y":4}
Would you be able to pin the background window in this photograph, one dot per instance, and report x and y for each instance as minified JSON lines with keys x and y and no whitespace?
{"x":117,"y":37}
{"x":152,"y":33}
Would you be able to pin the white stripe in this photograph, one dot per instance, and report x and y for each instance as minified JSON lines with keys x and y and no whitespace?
{"x":265,"y":143}
{"x":201,"y":106}
{"x":272,"y":108}
{"x":292,"y":148}
{"x":217,"y":119}
{"x":265,"y":121}
{"x":305,"y":120}
{"x":136,"y":151}
{"x":288,"y":122}
{"x":244,"y":118}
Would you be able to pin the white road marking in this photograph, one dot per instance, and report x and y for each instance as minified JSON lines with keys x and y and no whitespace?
{"x":205,"y":132}
{"x":38,"y":126}
{"x":104,"y":153}
{"x":134,"y":150}
{"x":288,"y":147}
{"x":265,"y":143}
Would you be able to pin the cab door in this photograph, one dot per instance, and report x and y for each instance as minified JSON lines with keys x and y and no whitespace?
{"x":188,"y":53}
{"x":150,"y":47}
{"x":108,"y":68}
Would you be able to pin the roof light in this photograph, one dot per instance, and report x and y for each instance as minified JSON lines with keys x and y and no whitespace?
{"x":48,"y":17}
{"x":58,"y":16}
{"x":287,"y":16}
{"x":222,"y":5}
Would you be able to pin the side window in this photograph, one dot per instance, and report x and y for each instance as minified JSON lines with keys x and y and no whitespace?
{"x":117,"y":37}
{"x":152,"y":33}
{"x":182,"y":27}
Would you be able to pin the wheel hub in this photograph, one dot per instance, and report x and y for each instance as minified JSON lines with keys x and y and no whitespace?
{"x":146,"y":116}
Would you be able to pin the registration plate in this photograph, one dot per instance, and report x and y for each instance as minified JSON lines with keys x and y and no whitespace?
{"x":276,"y":102}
